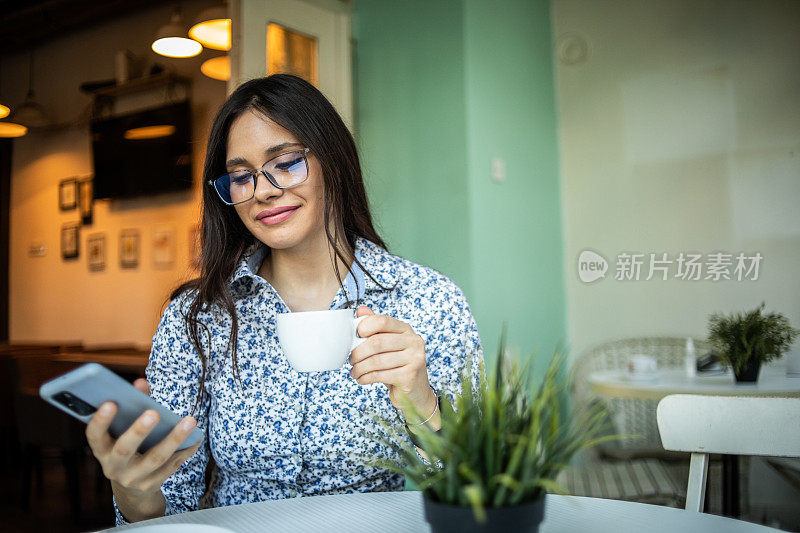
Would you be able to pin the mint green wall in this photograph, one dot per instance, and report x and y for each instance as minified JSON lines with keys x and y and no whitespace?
{"x":441,"y":88}
{"x":409,"y":85}
{"x":515,"y":227}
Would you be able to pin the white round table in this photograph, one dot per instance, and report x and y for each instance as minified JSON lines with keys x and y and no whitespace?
{"x":772,"y":381}
{"x":388,"y":512}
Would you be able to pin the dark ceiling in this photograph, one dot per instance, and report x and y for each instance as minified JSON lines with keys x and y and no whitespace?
{"x":26,"y":23}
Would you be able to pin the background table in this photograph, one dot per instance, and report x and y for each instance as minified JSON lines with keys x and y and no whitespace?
{"x":772,"y":381}
{"x":131,"y":363}
{"x":128,"y":365}
{"x":403,"y":512}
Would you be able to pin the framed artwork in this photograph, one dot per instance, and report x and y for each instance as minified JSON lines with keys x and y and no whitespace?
{"x":96,"y":250}
{"x":129,"y":248}
{"x":85,"y":200}
{"x":163,"y":247}
{"x":68,"y":194}
{"x":194,"y":246}
{"x":69,"y":240}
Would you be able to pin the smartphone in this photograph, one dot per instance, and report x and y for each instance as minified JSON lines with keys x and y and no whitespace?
{"x":82,"y":390}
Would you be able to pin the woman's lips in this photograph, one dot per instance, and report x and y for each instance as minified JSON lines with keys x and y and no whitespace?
{"x":280,"y":217}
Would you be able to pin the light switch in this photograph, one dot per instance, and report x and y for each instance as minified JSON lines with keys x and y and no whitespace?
{"x":37,"y":250}
{"x":498,"y":169}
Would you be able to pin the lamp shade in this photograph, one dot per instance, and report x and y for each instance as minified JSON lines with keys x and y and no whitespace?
{"x":213,"y":28}
{"x":30,"y":113}
{"x":171,"y":40}
{"x":4,"y":111}
{"x":218,"y":68}
{"x":10,"y":129}
{"x":149,"y":132}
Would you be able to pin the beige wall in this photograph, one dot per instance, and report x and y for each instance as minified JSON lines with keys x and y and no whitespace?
{"x":53,"y":299}
{"x":679,"y":132}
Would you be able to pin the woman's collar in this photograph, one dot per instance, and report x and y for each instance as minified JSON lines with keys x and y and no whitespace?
{"x":382,"y":265}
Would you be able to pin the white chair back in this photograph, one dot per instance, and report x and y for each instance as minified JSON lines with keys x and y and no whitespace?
{"x":726,"y":425}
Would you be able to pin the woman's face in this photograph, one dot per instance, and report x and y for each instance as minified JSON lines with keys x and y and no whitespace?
{"x":253,"y":140}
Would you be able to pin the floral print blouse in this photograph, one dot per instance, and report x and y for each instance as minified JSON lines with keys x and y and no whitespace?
{"x":278,"y":433}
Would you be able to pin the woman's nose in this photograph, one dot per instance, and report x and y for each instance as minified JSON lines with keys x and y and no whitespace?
{"x":265,"y":189}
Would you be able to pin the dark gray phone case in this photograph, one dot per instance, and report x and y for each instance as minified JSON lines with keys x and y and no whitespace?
{"x":95,"y":384}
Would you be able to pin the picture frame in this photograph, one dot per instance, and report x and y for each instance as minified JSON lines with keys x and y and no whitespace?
{"x":68,"y":194}
{"x":96,"y":251}
{"x":70,"y":240}
{"x":86,"y":200}
{"x":163,"y":247}
{"x":129,"y":248}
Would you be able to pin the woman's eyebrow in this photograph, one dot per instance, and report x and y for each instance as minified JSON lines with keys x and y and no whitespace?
{"x":279,"y":147}
{"x":236,"y":161}
{"x":269,"y":151}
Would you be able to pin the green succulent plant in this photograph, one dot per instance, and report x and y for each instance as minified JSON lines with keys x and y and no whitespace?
{"x":741,"y":337}
{"x":501,"y":444}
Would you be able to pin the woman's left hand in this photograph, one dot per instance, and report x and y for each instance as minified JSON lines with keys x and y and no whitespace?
{"x":395,"y":356}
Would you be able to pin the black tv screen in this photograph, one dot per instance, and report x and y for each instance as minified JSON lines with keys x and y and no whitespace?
{"x":143,"y":153}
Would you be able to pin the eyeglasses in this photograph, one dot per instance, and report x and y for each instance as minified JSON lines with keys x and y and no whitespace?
{"x":283,"y":171}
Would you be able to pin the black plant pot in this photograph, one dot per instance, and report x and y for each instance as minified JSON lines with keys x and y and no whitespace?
{"x":749,"y":372}
{"x":445,"y":518}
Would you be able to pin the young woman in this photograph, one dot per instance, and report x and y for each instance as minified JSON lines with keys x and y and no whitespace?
{"x":286,"y":227}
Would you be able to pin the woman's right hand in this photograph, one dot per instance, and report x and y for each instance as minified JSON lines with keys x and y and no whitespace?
{"x":136,"y":478}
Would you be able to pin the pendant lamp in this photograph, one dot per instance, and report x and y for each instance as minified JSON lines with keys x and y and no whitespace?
{"x":4,"y":109}
{"x":10,"y":129}
{"x":213,"y":28}
{"x":30,"y":113}
{"x":171,"y":40}
{"x":218,"y":68}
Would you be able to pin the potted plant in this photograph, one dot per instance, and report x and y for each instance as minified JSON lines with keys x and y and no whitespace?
{"x":744,"y":341}
{"x":499,"y":449}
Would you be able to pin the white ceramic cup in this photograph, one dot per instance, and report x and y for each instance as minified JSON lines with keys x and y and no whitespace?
{"x":314,"y":341}
{"x":642,"y":364}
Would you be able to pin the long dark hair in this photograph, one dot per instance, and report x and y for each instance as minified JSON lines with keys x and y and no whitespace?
{"x":299,"y":107}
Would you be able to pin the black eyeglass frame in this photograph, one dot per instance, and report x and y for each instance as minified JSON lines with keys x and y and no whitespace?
{"x":262,"y":170}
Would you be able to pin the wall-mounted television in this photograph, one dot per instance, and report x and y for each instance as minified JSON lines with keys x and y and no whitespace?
{"x":143,"y":153}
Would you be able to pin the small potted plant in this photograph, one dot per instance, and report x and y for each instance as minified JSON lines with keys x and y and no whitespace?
{"x":499,"y":449}
{"x":744,"y":341}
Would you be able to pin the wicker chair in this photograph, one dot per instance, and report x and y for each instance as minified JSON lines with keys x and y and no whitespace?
{"x":631,"y":416}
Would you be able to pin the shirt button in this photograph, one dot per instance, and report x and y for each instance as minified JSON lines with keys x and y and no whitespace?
{"x":296,"y":458}
{"x":298,"y":408}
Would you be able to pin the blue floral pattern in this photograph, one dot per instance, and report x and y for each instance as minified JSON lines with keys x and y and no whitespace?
{"x":278,"y":433}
